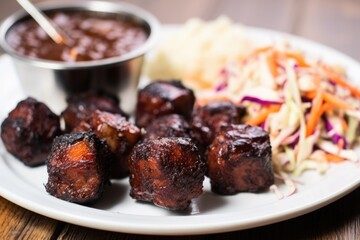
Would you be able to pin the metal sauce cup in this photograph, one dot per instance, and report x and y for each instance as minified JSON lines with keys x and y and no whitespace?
{"x":52,"y":81}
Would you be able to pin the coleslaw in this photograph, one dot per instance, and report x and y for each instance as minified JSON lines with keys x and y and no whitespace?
{"x":309,"y":108}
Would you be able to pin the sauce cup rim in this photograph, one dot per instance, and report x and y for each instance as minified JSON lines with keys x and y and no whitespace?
{"x":92,"y":6}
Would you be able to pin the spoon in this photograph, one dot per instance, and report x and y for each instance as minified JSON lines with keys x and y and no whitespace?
{"x":45,"y":23}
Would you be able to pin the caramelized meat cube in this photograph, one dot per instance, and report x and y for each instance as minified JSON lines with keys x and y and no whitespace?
{"x":239,"y":160}
{"x":208,"y":119}
{"x":29,"y":130}
{"x":162,"y":98}
{"x":83,"y":126}
{"x":81,"y":106}
{"x":119,"y":134}
{"x":78,"y":167}
{"x":166,"y":171}
{"x":172,"y":125}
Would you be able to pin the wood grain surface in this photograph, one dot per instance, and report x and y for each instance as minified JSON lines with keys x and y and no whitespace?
{"x":331,"y":22}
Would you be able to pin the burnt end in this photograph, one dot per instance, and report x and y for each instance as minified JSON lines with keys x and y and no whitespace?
{"x":78,"y":167}
{"x":119,"y":134}
{"x":83,"y":126}
{"x":166,"y":171}
{"x":162,"y":98}
{"x":81,"y":106}
{"x":239,"y":160}
{"x":29,"y":130}
{"x":172,"y":125}
{"x":207,"y":120}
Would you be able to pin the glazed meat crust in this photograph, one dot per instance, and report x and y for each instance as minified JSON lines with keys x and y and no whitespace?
{"x":81,"y":106}
{"x":119,"y":134}
{"x":162,"y":98}
{"x":239,"y":160}
{"x":166,"y":171}
{"x":78,"y":167}
{"x":172,"y":125}
{"x":208,"y":119}
{"x":29,"y":130}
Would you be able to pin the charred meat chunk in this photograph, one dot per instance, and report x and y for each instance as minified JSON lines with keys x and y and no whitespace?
{"x":29,"y":130}
{"x":81,"y":106}
{"x":172,"y":125}
{"x":239,"y":160}
{"x":162,"y":98}
{"x":166,"y":171}
{"x":78,"y":167}
{"x":208,"y":119}
{"x":119,"y":134}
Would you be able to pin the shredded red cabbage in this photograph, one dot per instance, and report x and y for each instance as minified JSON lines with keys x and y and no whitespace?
{"x":260,"y":101}
{"x":335,"y":137}
{"x":221,"y":87}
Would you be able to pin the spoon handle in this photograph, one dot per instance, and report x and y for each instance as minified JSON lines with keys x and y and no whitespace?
{"x":43,"y":21}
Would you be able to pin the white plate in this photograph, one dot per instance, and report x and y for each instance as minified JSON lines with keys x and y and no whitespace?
{"x":211,"y":213}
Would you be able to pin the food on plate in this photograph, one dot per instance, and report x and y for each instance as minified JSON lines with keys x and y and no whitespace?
{"x":305,"y":104}
{"x":119,"y":134}
{"x":93,"y":36}
{"x":29,"y":130}
{"x":172,"y":125}
{"x":308,"y":105}
{"x":166,"y":171}
{"x":161,"y":98}
{"x":266,"y":93}
{"x":239,"y":160}
{"x":78,"y":168}
{"x":81,"y":106}
{"x":208,"y":119}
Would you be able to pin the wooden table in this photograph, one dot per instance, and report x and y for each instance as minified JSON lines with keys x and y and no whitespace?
{"x":331,"y":22}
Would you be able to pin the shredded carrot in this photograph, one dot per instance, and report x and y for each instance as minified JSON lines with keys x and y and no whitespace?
{"x":333,"y":158}
{"x":331,"y":98}
{"x":325,"y":107}
{"x":315,"y":113}
{"x":262,"y":49}
{"x":298,"y":58}
{"x":336,"y":78}
{"x":271,"y":61}
{"x":336,"y":101}
{"x":262,"y":116}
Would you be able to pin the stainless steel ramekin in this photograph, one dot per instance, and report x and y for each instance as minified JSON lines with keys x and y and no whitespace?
{"x":52,"y":81}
